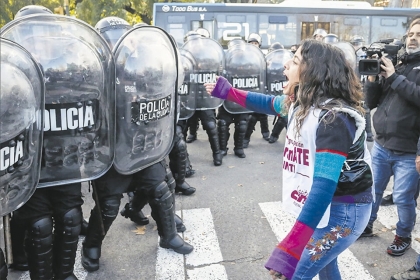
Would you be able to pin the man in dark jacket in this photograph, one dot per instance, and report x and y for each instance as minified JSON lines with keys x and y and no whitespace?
{"x":397,"y":124}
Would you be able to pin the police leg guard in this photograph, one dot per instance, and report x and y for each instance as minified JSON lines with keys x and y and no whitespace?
{"x":66,"y":236}
{"x":265,"y":131}
{"x":161,"y":202}
{"x":190,"y":171}
{"x":133,"y":209}
{"x":193,"y":126}
{"x":178,"y":166}
{"x":238,"y":137}
{"x":3,"y":266}
{"x":224,"y":135}
{"x":18,"y":235}
{"x":211,"y":130}
{"x":250,"y":129}
{"x":369,"y":134}
{"x":277,"y":129}
{"x":170,"y":180}
{"x":98,"y":227}
{"x":39,"y":247}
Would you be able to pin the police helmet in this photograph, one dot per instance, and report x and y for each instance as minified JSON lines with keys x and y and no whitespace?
{"x":254,"y":37}
{"x":275,"y":46}
{"x":140,"y":24}
{"x":357,"y":41}
{"x":330,"y":38}
{"x":320,"y":31}
{"x":112,"y":28}
{"x":235,"y":42}
{"x":191,"y":35}
{"x":203,"y":32}
{"x":32,"y":9}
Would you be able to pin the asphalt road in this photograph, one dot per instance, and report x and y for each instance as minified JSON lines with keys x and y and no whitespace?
{"x":234,"y":221}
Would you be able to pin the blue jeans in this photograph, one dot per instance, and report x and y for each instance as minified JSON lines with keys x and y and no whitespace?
{"x":386,"y":163}
{"x":346,"y":224}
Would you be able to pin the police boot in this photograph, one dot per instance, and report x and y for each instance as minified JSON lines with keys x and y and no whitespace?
{"x":180,"y":227}
{"x":99,"y":225}
{"x":249,"y":130}
{"x":278,"y":127}
{"x":39,"y":246}
{"x":133,"y":209}
{"x":66,"y":236}
{"x":3,"y":266}
{"x":193,"y":126}
{"x":224,"y":135}
{"x":163,"y":213}
{"x":214,"y":144}
{"x":369,"y":134}
{"x":264,"y":126}
{"x":18,"y":234}
{"x":238,"y":137}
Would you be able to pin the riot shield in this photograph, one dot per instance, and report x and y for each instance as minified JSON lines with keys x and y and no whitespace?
{"x":79,"y":75}
{"x":146,"y":89}
{"x":21,"y":121}
{"x":245,"y":69}
{"x":349,"y":53}
{"x":275,"y":67}
{"x":210,"y":62}
{"x":185,"y":93}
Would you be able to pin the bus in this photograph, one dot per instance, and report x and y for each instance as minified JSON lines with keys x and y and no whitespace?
{"x":288,"y":22}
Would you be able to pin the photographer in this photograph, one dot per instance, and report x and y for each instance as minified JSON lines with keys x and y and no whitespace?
{"x":397,"y":124}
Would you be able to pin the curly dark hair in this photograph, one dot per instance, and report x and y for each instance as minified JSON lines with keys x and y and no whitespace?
{"x":325,"y":74}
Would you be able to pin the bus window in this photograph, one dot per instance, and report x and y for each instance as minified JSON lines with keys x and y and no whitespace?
{"x":177,"y":30}
{"x":277,"y":28}
{"x":207,"y":24}
{"x":231,"y":27}
{"x":388,"y":27}
{"x":308,"y":29}
{"x":349,"y":26}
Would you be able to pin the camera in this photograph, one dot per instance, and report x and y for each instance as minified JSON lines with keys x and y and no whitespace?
{"x":373,"y":66}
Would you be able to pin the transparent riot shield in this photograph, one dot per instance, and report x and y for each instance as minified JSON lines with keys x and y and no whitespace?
{"x":210,"y":62}
{"x":185,"y":92}
{"x":349,"y":53}
{"x":21,"y":121}
{"x":146,"y":89}
{"x":245,"y":69}
{"x":79,"y":75}
{"x":275,"y":66}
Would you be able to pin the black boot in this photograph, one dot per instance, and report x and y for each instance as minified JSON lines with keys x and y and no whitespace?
{"x":252,"y":121}
{"x":180,"y":227}
{"x":66,"y":236}
{"x":184,"y":188}
{"x":133,"y":209}
{"x":263,"y":118}
{"x":214,"y":144}
{"x":39,"y":246}
{"x":240,"y":129}
{"x":192,"y":123}
{"x":18,"y":233}
{"x":99,"y":224}
{"x":163,"y":213}
{"x":277,"y":129}
{"x":85,"y":225}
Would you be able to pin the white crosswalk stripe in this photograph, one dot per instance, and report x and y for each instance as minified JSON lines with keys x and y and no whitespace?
{"x":206,"y":261}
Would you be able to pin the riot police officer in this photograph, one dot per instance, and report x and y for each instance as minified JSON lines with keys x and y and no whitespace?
{"x":275,"y":78}
{"x":319,"y":34}
{"x":21,"y":102}
{"x":145,"y":176}
{"x":255,"y":40}
{"x":205,"y":112}
{"x":52,"y":216}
